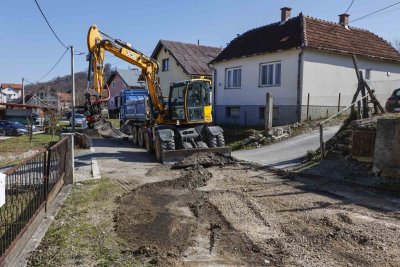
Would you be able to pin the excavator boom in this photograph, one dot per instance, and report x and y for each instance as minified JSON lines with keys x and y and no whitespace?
{"x":97,"y":45}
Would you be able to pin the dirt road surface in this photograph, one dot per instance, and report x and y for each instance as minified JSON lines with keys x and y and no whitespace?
{"x":124,"y":164}
{"x":287,"y":153}
{"x":223,"y":213}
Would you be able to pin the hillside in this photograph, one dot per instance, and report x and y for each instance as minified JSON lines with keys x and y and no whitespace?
{"x":63,"y":84}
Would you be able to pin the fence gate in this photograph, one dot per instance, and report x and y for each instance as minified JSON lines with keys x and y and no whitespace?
{"x":30,"y":186}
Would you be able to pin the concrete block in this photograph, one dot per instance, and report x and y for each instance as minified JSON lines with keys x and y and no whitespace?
{"x":387,"y":145}
{"x":277,"y":131}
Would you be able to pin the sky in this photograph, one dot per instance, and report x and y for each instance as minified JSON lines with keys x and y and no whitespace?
{"x":29,"y":48}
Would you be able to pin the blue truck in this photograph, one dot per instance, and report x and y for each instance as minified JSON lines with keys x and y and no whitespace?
{"x":134,"y":110}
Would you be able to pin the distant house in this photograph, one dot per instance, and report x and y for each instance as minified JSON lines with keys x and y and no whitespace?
{"x":182,"y":61}
{"x":299,"y":60}
{"x":123,"y":79}
{"x":11,"y":90}
{"x":48,"y":96}
{"x":65,"y":100}
{"x":3,"y":97}
{"x":33,"y":100}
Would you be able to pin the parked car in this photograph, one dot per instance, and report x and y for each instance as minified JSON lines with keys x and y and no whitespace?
{"x":393,"y":102}
{"x":12,"y":128}
{"x":25,"y":123}
{"x":38,"y":123}
{"x":80,"y":120}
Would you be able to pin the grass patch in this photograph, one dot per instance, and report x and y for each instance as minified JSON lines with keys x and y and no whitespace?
{"x":63,"y":123}
{"x":12,"y":150}
{"x":22,"y":143}
{"x":82,"y":233}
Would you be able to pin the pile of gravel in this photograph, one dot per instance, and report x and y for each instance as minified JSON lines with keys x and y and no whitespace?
{"x":205,"y":160}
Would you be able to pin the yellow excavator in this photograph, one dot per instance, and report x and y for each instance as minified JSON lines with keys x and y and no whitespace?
{"x":172,"y":129}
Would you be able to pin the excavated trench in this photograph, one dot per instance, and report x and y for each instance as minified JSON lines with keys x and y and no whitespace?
{"x":220,"y":212}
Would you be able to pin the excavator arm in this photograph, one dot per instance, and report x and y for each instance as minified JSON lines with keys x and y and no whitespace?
{"x":97,"y":46}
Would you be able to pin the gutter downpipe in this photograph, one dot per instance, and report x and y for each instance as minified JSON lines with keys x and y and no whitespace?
{"x":300,"y":84}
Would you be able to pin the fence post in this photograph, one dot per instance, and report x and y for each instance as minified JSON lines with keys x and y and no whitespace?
{"x":321,"y":141}
{"x":69,"y":177}
{"x":338,"y":105}
{"x":269,"y":107}
{"x":47,"y":157}
{"x":308,"y":105}
{"x":358,"y":109}
{"x":70,"y":164}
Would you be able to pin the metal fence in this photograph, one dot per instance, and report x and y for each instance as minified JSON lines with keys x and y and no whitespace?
{"x":28,"y":187}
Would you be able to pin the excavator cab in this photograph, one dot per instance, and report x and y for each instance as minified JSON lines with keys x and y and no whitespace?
{"x":190,"y":101}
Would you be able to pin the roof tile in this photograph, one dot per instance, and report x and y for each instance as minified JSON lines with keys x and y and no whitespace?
{"x":305,"y":31}
{"x":11,"y":85}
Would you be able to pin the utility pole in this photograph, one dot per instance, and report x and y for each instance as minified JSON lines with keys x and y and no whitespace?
{"x":73,"y":88}
{"x":23,"y":91}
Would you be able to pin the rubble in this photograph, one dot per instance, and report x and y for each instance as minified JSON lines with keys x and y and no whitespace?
{"x":258,"y":138}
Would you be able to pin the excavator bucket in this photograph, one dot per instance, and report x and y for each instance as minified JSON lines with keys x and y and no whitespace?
{"x":106,"y":130}
{"x":173,"y":156}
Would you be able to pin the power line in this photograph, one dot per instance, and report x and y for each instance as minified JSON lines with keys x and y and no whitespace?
{"x":374,"y":12}
{"x":51,"y":28}
{"x":55,"y":65}
{"x":347,"y":10}
{"x":367,"y":15}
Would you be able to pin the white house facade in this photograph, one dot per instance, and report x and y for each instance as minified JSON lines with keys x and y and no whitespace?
{"x":244,"y":103}
{"x":339,"y":77}
{"x":307,"y":66}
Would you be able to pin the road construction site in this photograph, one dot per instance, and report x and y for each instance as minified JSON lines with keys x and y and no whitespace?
{"x":211,"y":210}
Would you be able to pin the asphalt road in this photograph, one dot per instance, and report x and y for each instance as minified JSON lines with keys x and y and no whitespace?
{"x":287,"y":153}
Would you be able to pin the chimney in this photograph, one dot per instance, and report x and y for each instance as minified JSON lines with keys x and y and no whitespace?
{"x":344,"y":20}
{"x":285,"y":13}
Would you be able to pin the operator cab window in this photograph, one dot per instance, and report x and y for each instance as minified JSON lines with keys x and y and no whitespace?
{"x":177,"y":103}
{"x":198,"y":96}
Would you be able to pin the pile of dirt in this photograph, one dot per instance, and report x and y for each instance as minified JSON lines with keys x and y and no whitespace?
{"x":168,"y":226}
{"x":153,"y":233}
{"x":205,"y":160}
{"x":192,"y":178}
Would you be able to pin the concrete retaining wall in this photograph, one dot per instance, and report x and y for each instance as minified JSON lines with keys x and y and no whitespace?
{"x":387,"y":148}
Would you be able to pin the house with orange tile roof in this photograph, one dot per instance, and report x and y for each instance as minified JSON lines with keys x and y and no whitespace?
{"x":11,"y":91}
{"x":305,"y":63}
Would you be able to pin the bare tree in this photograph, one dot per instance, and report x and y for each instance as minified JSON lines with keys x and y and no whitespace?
{"x":53,"y":115}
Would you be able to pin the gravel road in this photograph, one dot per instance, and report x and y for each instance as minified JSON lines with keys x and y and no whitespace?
{"x":123,"y":163}
{"x":286,"y":153}
{"x":244,"y":215}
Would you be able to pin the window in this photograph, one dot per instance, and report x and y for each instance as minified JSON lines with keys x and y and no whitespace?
{"x":113,"y":85}
{"x":165,"y":64}
{"x":233,"y":78}
{"x":368,"y":74}
{"x":261,"y":113}
{"x":232,"y":112}
{"x":270,"y":74}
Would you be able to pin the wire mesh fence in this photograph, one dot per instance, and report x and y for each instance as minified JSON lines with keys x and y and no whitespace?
{"x":27,"y":187}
